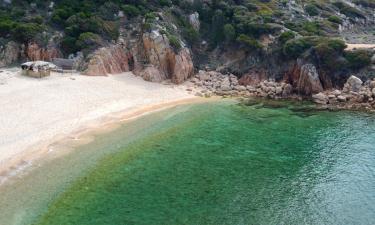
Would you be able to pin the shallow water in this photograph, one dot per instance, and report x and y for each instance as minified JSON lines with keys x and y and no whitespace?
{"x":215,"y":163}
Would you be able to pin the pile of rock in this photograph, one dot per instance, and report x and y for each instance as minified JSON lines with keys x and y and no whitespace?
{"x":355,"y":95}
{"x":214,"y":83}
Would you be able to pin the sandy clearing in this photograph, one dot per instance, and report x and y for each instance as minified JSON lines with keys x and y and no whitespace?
{"x":360,"y":46}
{"x":37,"y":111}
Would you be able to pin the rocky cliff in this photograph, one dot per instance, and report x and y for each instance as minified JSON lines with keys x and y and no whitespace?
{"x":301,"y":43}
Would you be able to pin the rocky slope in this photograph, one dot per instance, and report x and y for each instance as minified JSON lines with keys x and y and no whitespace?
{"x":298,"y":43}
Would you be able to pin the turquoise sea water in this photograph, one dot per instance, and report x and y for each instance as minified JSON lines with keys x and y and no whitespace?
{"x":226,"y":163}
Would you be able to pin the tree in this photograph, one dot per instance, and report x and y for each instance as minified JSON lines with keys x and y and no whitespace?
{"x":229,"y":32}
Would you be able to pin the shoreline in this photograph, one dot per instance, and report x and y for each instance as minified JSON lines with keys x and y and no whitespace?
{"x":83,"y":135}
{"x":38,"y":113}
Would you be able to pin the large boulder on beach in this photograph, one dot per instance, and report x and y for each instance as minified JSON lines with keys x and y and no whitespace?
{"x":353,"y":84}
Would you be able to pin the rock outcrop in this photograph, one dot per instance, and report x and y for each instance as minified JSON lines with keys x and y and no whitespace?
{"x":176,"y":65}
{"x":34,"y":52}
{"x":194,"y":21}
{"x":355,"y":95}
{"x":152,"y":57}
{"x":305,"y":79}
{"x":109,"y":60}
{"x":9,"y":53}
{"x":214,"y":83}
{"x":353,"y":84}
{"x":150,"y":73}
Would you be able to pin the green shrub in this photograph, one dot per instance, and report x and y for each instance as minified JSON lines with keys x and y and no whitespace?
{"x":88,"y":40}
{"x":6,"y":27}
{"x":312,"y":10}
{"x":68,"y":45}
{"x":286,"y":36}
{"x":190,"y":34}
{"x":131,"y":10}
{"x":229,"y":32}
{"x":348,"y":11}
{"x":25,"y":32}
{"x":335,"y":19}
{"x":174,"y":42}
{"x":249,"y":42}
{"x":329,"y":52}
{"x":358,"y":59}
{"x":296,"y":47}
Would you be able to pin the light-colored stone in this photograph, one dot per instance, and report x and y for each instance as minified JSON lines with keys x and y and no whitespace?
{"x":336,"y":92}
{"x":341,"y":98}
{"x":353,"y":84}
{"x":320,"y":98}
{"x":194,"y":21}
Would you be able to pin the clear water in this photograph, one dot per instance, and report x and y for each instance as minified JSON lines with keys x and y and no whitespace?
{"x":226,"y":163}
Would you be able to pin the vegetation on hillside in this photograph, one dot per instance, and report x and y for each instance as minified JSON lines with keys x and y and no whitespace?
{"x":300,"y":28}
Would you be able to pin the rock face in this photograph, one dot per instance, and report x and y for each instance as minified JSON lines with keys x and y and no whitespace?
{"x":150,"y":73}
{"x":152,"y":57}
{"x":36,"y":53}
{"x":9,"y":53}
{"x":213,"y":82}
{"x":177,"y":66}
{"x":109,"y":60}
{"x":253,"y":77}
{"x":309,"y":82}
{"x":305,"y":79}
{"x":194,"y":21}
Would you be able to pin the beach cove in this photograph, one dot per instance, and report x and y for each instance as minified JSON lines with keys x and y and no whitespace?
{"x":38,"y":112}
{"x":219,"y":162}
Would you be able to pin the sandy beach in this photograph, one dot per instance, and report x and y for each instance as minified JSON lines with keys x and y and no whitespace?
{"x":36,"y":112}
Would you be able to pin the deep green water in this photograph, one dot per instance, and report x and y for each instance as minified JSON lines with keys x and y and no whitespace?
{"x":230,"y":163}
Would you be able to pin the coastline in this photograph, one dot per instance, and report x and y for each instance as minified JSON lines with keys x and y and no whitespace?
{"x":83,"y":135}
{"x":12,"y":162}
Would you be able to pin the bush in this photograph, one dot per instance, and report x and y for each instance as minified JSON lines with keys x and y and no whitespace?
{"x":296,"y":47}
{"x":358,"y":59}
{"x":286,"y":36}
{"x":312,"y":10}
{"x":348,"y":11}
{"x":249,"y":42}
{"x":190,"y":35}
{"x":88,"y":40}
{"x":229,"y":32}
{"x":335,"y":19}
{"x":329,"y":52}
{"x":68,"y":45}
{"x":24,"y":32}
{"x":131,"y":10}
{"x":174,"y":42}
{"x":6,"y":26}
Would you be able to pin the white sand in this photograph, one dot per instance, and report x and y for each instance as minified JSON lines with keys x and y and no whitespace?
{"x":360,"y":46}
{"x":35,"y":111}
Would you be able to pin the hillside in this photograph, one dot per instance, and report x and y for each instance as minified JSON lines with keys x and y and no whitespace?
{"x":159,"y":39}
